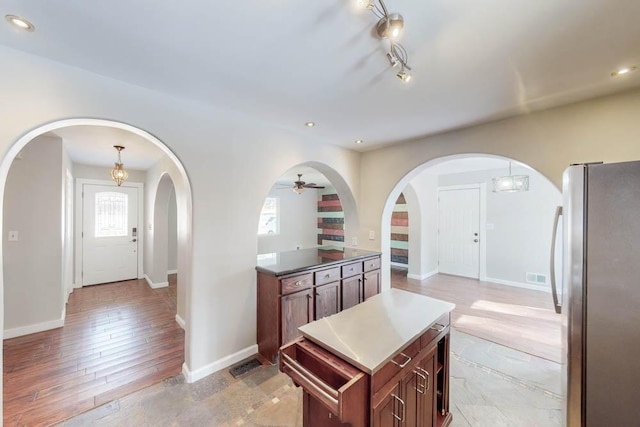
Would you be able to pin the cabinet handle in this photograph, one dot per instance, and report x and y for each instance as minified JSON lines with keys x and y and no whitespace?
{"x":401,"y":418}
{"x":326,"y":276}
{"x":405,"y":362}
{"x":428,"y":377}
{"x":438,"y":329}
{"x":298,"y":283}
{"x":421,"y":387}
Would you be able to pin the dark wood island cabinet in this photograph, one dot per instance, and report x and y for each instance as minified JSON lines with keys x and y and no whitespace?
{"x":298,"y":287}
{"x":383,"y":363}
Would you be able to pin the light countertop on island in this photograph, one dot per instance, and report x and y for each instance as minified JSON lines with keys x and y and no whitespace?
{"x":369,"y":334}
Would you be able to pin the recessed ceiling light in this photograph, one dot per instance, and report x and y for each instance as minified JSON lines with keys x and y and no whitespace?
{"x":623,"y":70}
{"x":19,"y":22}
{"x":310,"y":124}
{"x":359,"y":141}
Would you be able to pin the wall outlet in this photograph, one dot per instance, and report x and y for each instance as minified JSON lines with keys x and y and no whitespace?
{"x":372,"y":235}
{"x":150,"y":227}
{"x":354,"y":241}
{"x":13,"y":236}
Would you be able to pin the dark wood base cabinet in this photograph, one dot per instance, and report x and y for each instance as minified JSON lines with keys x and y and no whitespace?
{"x":412,"y":389}
{"x":288,"y":301}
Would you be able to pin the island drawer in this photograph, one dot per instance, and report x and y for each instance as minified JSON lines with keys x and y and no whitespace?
{"x":395,"y":365}
{"x":371,"y":264}
{"x":327,"y":276}
{"x":440,"y":325}
{"x":338,"y":386}
{"x":352,"y":269}
{"x":296,"y":283}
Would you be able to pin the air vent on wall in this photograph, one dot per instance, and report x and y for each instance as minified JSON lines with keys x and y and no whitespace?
{"x":536,"y":279}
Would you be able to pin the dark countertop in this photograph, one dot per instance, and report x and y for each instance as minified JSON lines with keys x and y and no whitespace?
{"x":281,"y":263}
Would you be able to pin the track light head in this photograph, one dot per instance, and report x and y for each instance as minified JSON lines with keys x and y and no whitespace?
{"x":364,"y":4}
{"x":390,"y":27}
{"x":404,"y":76}
{"x":392,"y":59}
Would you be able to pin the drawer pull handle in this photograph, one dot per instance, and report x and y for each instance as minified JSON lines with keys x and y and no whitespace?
{"x":298,"y":283}
{"x":326,"y":276}
{"x":438,"y":327}
{"x":311,"y":382}
{"x":402,"y":365}
{"x":428,"y":376}
{"x":401,"y":417}
{"x":421,"y":387}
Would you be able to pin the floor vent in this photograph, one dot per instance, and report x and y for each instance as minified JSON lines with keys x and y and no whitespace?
{"x":244,"y":367}
{"x":536,"y":279}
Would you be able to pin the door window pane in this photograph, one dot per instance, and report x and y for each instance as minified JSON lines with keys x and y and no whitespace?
{"x":111,"y":214}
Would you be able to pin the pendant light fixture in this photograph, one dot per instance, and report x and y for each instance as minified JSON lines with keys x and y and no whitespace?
{"x":510,"y":183}
{"x":118,"y":173}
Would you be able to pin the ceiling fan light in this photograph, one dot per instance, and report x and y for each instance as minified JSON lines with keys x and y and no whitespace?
{"x":298,"y":189}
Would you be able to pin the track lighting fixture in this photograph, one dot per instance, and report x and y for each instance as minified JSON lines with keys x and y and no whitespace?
{"x":404,"y":76}
{"x":389,"y":27}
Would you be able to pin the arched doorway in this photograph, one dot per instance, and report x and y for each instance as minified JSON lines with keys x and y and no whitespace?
{"x":504,"y":310}
{"x":184,"y":214}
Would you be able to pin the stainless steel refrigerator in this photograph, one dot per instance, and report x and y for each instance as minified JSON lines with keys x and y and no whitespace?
{"x":599,"y":293}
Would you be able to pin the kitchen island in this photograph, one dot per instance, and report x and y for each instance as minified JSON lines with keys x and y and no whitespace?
{"x":382,"y":363}
{"x":298,"y":287}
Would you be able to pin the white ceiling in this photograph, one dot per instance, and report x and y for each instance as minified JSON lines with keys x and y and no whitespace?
{"x":292,"y":61}
{"x":93,"y":145}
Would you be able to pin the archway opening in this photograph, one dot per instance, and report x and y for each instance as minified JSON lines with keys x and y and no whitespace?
{"x":488,"y":252}
{"x":44,"y":164}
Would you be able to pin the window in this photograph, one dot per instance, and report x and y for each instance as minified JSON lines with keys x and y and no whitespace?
{"x":269,"y":221}
{"x":111,"y":214}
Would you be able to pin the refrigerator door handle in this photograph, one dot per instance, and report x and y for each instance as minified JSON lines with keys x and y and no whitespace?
{"x":554,"y":290}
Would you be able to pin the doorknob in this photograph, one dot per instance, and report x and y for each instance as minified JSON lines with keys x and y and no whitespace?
{"x":475,"y":234}
{"x":134,"y":240}
{"x":475,"y":240}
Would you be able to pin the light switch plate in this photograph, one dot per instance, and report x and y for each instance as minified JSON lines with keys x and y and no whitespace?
{"x":372,"y":235}
{"x":354,"y":241}
{"x":13,"y":236}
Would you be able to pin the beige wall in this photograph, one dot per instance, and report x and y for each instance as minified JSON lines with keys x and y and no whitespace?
{"x":32,"y":266}
{"x":604,"y":129}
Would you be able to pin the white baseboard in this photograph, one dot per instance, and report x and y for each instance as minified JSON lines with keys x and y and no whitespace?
{"x":172,"y":272}
{"x":155,"y":285}
{"x":397,"y":264}
{"x":225,"y":362}
{"x":180,"y":321}
{"x":518,"y":284}
{"x":422,"y":276}
{"x":32,"y":329}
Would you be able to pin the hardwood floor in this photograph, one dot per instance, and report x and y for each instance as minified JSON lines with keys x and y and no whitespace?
{"x":118,"y":338}
{"x":518,"y":318}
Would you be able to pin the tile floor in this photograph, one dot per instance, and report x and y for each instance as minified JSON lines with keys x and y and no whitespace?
{"x":491,"y":386}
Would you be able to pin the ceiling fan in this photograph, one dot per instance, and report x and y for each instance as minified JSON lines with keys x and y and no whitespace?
{"x":300,"y":185}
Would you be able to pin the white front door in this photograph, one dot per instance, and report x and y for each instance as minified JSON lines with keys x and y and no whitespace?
{"x":459,"y":229}
{"x":109,"y":234}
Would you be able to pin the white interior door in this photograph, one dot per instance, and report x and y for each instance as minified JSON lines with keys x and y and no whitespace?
{"x":459,"y":230}
{"x":109,"y":234}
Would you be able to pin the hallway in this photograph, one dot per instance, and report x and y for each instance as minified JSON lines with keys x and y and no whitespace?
{"x":118,"y":338}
